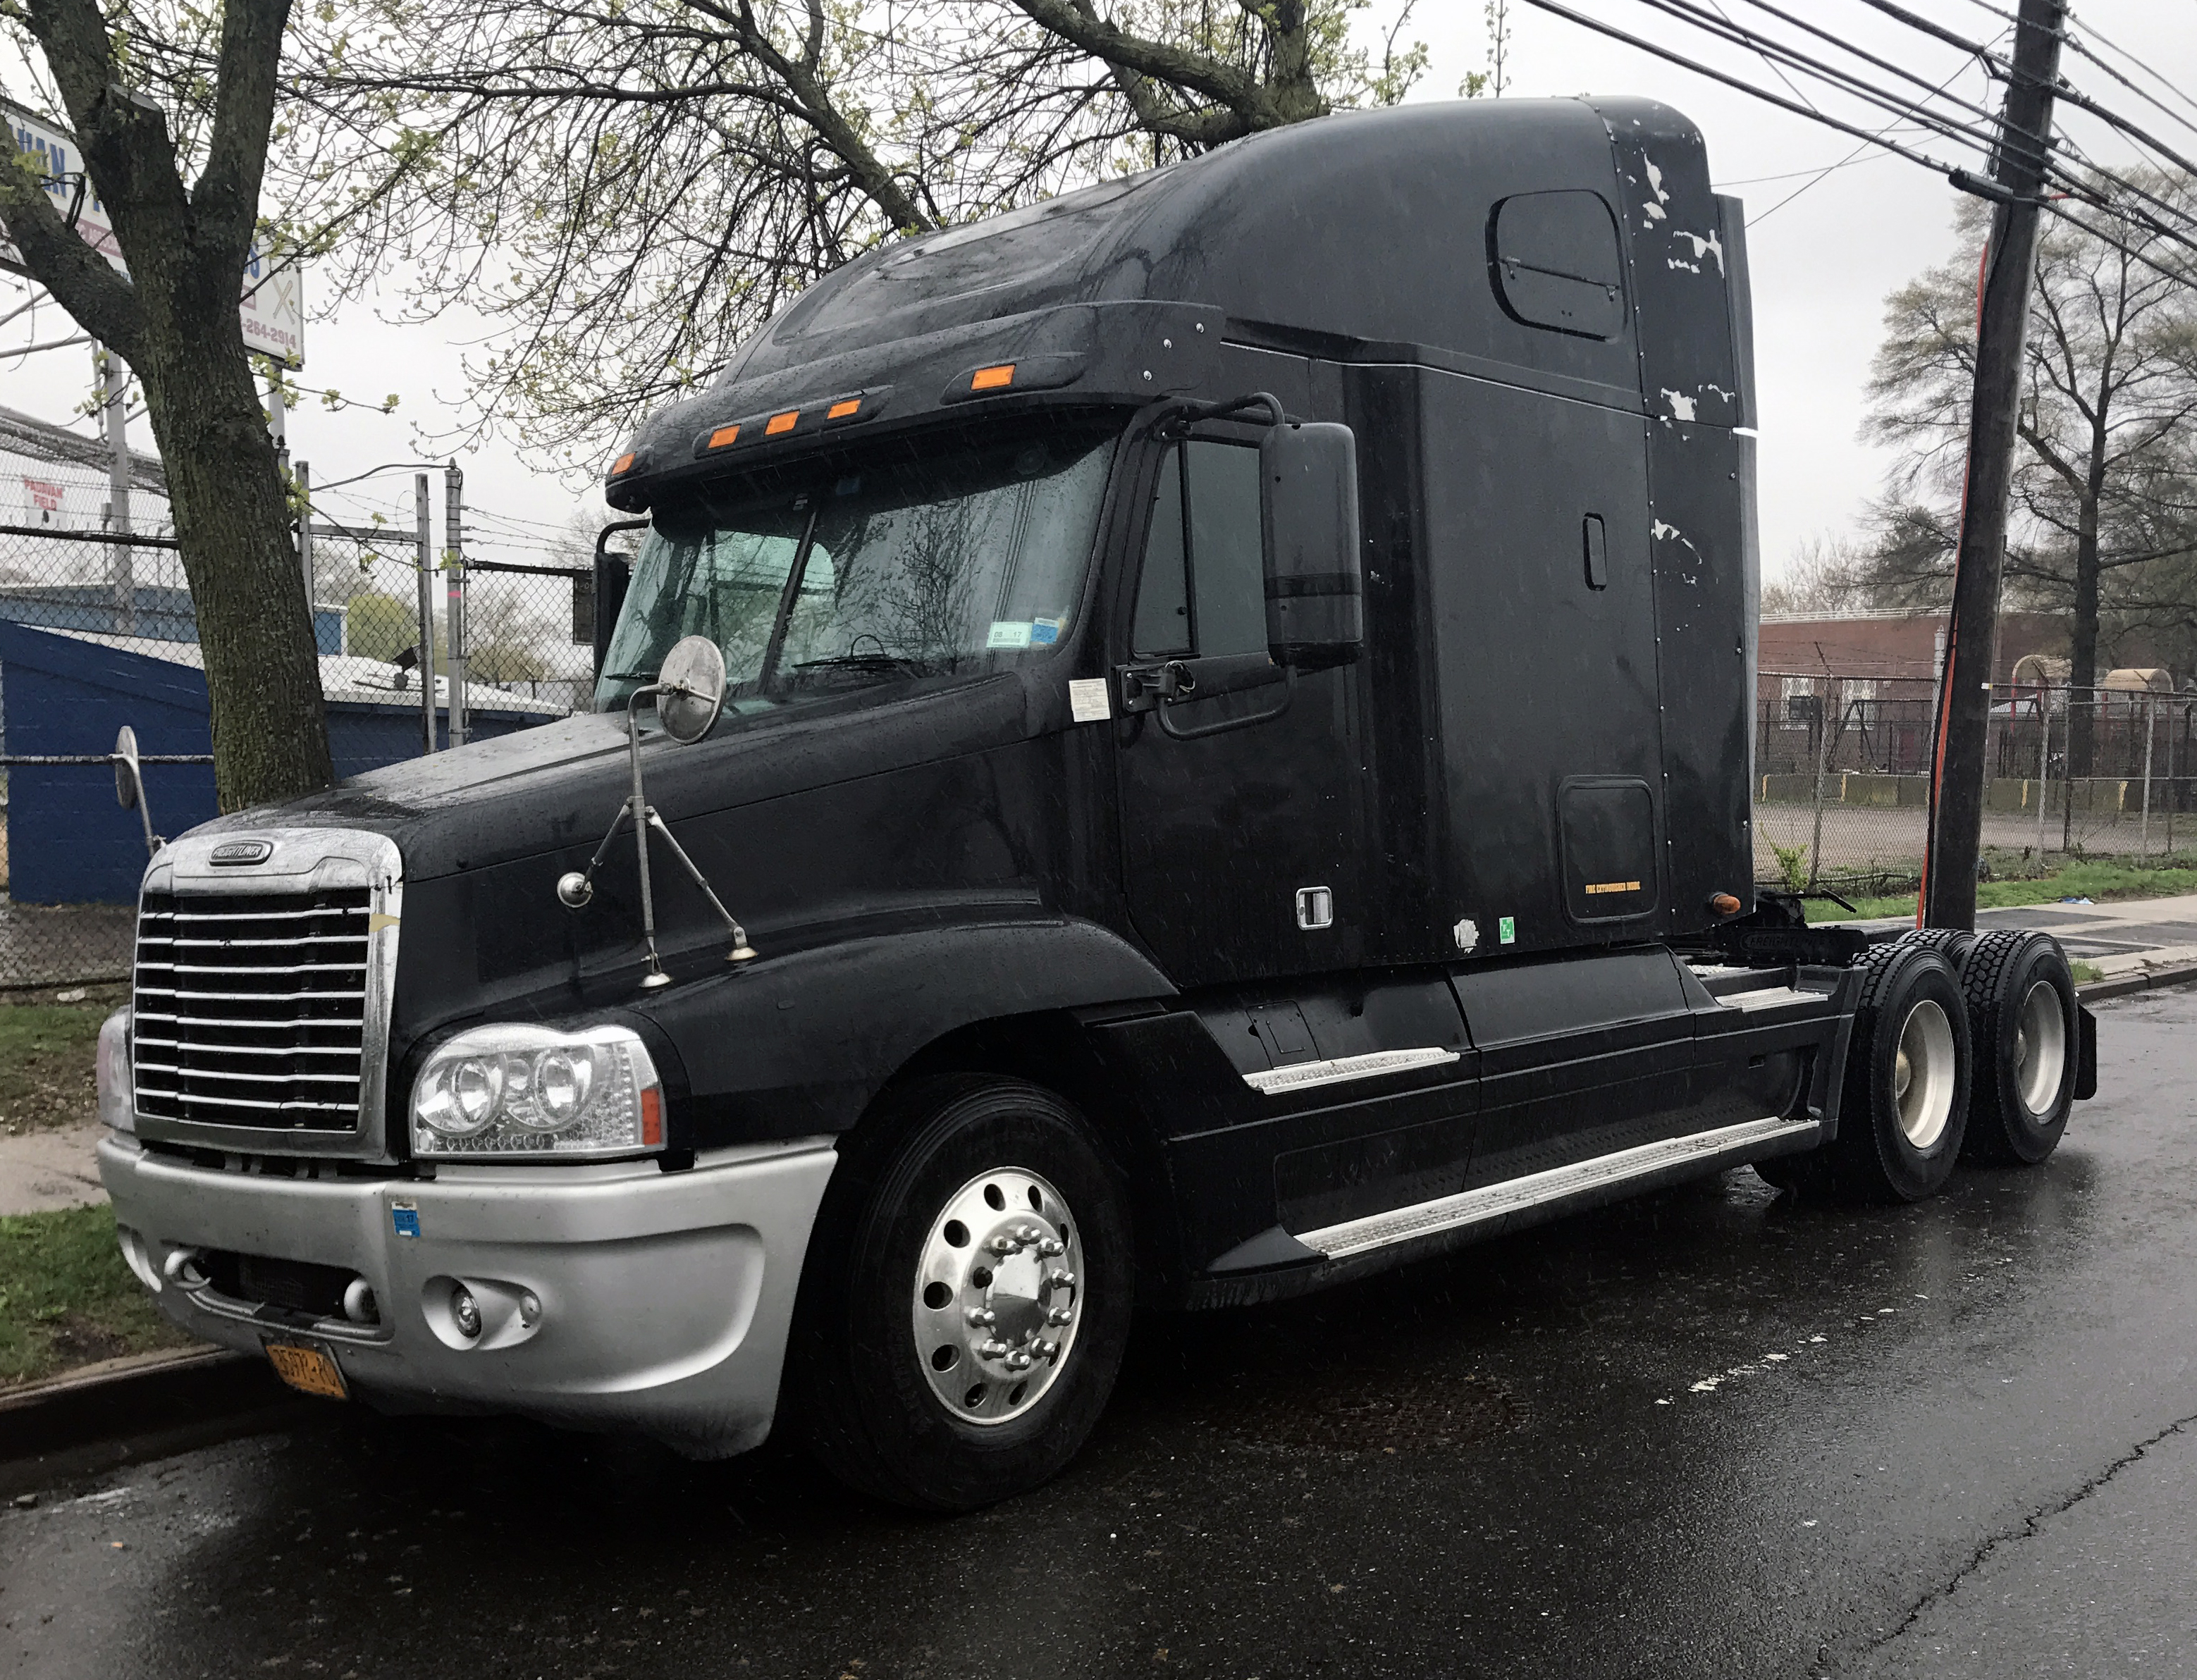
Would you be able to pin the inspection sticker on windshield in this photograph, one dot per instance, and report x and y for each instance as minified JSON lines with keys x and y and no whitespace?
{"x":1009,"y":632}
{"x":1044,"y":632}
{"x":1087,"y":700}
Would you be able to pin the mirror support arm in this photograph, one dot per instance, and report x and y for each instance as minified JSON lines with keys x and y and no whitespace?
{"x":575,"y":891}
{"x":1198,"y":732}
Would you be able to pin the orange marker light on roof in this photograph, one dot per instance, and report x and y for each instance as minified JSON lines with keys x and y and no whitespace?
{"x":621,"y":463}
{"x":724,"y":435}
{"x":780,"y":423}
{"x":994,"y":378}
{"x":841,"y":410}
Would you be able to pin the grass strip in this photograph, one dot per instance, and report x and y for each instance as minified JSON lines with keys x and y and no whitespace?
{"x":2096,"y":881}
{"x":67,"y":1298}
{"x":46,"y":1056}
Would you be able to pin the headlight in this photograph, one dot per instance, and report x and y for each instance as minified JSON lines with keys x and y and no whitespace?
{"x":118,"y":1104}
{"x":538,"y":1090}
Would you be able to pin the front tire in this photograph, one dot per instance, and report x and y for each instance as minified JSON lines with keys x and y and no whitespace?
{"x":2022,"y":1018}
{"x":966,"y":1302}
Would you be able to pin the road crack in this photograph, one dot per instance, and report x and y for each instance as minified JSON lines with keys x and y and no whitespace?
{"x":2030,"y":1527}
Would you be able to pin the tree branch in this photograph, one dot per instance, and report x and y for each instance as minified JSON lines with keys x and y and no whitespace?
{"x":227,"y":196}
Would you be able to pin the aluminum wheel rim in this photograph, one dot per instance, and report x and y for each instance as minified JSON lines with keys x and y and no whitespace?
{"x":2040,"y":1048}
{"x":998,"y":1291}
{"x":1922,"y":1074}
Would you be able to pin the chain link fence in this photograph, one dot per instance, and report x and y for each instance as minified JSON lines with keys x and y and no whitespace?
{"x":1842,"y":780}
{"x":97,"y":630}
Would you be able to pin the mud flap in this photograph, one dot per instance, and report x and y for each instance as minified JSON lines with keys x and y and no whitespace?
{"x":2086,"y":1054}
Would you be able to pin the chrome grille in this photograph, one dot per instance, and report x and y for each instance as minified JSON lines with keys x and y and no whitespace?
{"x":265,"y":977}
{"x":251,"y":1008}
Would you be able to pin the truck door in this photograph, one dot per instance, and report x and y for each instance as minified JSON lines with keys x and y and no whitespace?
{"x":1241,"y":846}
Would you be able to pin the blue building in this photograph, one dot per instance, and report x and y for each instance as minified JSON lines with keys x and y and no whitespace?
{"x":68,"y":692}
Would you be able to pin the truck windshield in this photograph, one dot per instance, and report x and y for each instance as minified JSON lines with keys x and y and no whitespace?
{"x":938,"y":555}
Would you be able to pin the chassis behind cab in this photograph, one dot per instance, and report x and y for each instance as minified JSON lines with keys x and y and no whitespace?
{"x":1182,"y":744}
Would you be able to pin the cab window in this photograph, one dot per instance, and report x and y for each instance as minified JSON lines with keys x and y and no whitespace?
{"x":1201,"y":592}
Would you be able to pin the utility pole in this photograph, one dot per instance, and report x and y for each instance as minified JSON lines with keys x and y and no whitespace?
{"x":114,"y":396}
{"x":1956,"y":788}
{"x":424,"y":557}
{"x":453,"y":560}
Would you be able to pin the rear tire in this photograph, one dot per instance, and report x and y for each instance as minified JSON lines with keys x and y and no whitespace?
{"x":1904,"y":1107}
{"x":932,"y":1292}
{"x":2023,"y":1022}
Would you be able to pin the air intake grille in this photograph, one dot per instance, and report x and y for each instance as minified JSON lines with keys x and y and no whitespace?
{"x":251,"y":1008}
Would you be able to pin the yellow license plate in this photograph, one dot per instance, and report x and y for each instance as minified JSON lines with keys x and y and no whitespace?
{"x":312,"y":1370}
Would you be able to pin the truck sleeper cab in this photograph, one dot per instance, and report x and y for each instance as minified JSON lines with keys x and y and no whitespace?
{"x":1182,"y":744}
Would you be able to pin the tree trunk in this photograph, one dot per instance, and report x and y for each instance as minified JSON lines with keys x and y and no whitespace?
{"x":2082,"y":637}
{"x":270,"y":735}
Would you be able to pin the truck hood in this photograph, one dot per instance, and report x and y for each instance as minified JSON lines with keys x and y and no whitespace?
{"x":559,"y":786}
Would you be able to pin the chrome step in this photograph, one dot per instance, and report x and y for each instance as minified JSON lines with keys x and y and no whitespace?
{"x":1727,"y":1145}
{"x":1335,"y":1070}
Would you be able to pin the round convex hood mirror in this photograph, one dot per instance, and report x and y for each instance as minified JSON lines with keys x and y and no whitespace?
{"x":125,"y":768}
{"x":693,"y":684}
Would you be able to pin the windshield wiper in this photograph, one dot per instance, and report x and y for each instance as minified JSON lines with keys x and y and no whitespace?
{"x":878,"y":663}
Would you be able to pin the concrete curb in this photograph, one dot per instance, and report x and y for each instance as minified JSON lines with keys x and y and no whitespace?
{"x":2178,"y":974}
{"x":143,"y":1407}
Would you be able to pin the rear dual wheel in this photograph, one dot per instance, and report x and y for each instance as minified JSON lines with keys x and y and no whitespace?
{"x":2022,"y":1017}
{"x":1904,"y":1108}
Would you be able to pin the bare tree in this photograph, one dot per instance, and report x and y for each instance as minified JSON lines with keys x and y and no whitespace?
{"x":172,"y":113}
{"x":631,"y":190}
{"x":1823,"y":578}
{"x":2109,"y":466}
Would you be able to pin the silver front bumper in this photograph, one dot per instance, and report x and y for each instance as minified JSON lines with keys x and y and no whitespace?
{"x":664,"y":1299}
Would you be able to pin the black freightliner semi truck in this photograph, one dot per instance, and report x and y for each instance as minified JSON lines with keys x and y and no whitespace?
{"x":1192,"y":743}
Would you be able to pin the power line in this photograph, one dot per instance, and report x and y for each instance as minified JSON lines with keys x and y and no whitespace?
{"x":1960,"y":178}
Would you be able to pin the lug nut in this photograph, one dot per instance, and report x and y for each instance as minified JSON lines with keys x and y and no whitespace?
{"x":1051,"y":1246}
{"x":1029,"y":1233}
{"x":980,"y":1316}
{"x":1060,"y":1280}
{"x":1048,"y":1350}
{"x":1003,"y":1245}
{"x":993,"y":1349}
{"x":1060,"y":1315}
{"x":1019,"y":1362}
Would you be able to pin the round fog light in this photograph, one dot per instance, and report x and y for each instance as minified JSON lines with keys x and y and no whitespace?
{"x":464,"y":1312}
{"x":530,"y":1309}
{"x":358,"y":1304}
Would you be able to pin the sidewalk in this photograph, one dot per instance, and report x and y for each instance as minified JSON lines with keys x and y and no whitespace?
{"x":40,"y":1171}
{"x":2123,"y":941}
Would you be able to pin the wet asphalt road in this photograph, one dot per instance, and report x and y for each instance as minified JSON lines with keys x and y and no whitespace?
{"x":1710,"y":1433}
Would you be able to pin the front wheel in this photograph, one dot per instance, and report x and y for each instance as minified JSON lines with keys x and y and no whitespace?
{"x":965,"y":1301}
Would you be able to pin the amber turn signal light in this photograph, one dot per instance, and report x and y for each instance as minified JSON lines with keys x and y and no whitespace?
{"x":992,"y":379}
{"x":841,"y":410}
{"x":623,"y":462}
{"x":724,"y":435}
{"x":1723,"y":904}
{"x":781,"y":423}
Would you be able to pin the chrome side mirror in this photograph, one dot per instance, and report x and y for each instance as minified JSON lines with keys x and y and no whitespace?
{"x":690,"y":689}
{"x":130,"y":785}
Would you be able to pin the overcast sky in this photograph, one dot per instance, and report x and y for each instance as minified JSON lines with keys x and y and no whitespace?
{"x":1822,"y":260}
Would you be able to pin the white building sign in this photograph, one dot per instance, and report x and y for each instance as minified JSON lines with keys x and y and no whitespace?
{"x":273,"y":307}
